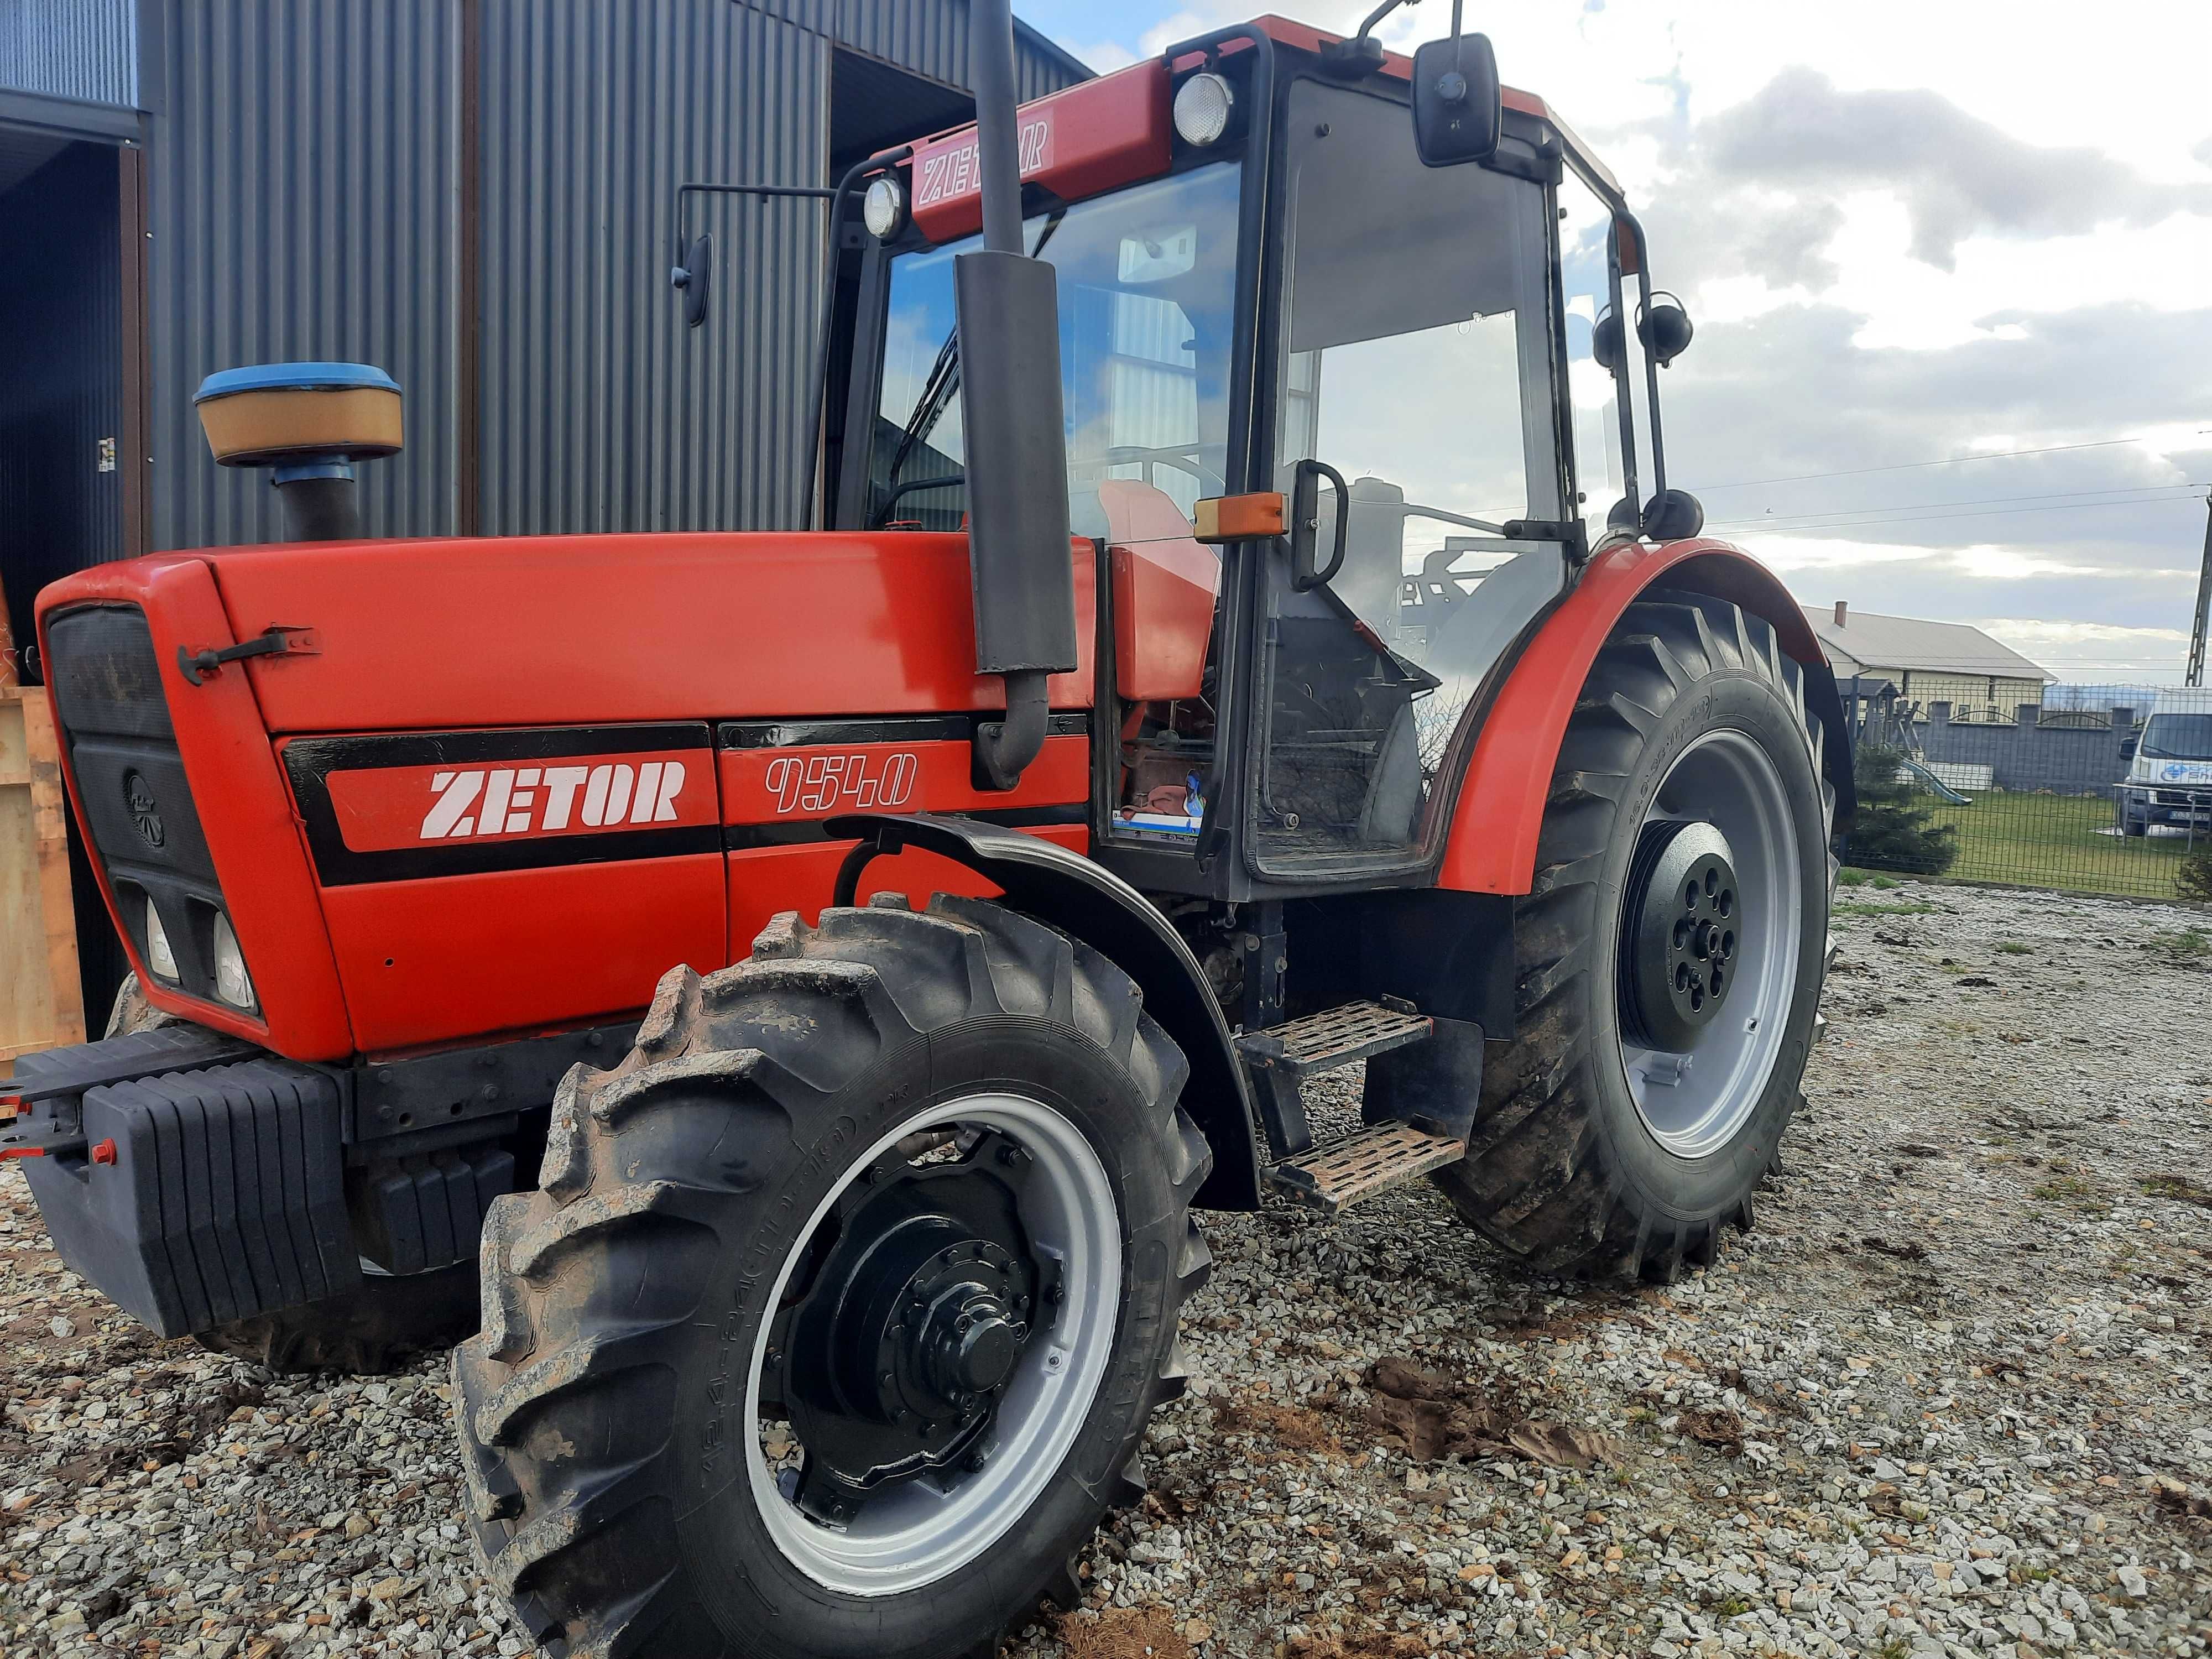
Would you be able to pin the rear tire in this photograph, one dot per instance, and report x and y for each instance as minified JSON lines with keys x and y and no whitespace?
{"x":1573,"y":1165}
{"x":704,"y":1200}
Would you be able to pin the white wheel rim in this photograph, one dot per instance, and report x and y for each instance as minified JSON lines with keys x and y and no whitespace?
{"x":1728,"y":779}
{"x":912,"y":1536}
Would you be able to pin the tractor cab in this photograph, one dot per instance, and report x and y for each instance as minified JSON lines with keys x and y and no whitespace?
{"x":1266,"y":289}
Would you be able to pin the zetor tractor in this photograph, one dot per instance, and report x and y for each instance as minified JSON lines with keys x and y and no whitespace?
{"x":1206,"y":674}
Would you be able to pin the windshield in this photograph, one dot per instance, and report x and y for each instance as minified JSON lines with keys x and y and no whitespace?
{"x":1146,"y":323}
{"x":2178,"y":737}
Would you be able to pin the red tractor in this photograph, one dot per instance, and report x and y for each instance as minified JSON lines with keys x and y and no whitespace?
{"x":1107,"y":763}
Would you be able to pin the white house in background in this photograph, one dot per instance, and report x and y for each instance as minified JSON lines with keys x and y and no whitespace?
{"x":1930,"y":662}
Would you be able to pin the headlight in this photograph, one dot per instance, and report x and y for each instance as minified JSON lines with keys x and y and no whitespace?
{"x":159,"y":957}
{"x":1203,"y":104}
{"x":883,"y":208}
{"x":232,"y":983}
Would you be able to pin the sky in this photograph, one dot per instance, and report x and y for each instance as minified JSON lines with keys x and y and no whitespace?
{"x":1973,"y":234}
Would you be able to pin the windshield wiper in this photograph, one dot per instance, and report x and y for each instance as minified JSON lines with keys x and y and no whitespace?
{"x":944,"y":383}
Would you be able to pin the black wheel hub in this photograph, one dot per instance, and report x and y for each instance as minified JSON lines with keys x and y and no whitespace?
{"x":923,"y":1294}
{"x":1678,"y":936}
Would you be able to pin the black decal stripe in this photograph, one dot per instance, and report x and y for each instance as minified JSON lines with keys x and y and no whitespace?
{"x":310,"y":761}
{"x":843,"y":731}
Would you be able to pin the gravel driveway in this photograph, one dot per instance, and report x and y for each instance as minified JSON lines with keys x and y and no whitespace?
{"x":1955,"y":1394}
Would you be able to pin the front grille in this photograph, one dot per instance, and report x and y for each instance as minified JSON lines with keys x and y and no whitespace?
{"x":131,"y":786}
{"x":2182,"y":797}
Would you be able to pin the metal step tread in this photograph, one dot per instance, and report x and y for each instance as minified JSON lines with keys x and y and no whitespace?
{"x":1337,"y":1036}
{"x":1373,"y":1160}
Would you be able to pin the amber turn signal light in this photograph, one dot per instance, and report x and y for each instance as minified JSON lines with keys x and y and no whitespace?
{"x":1240,"y":517}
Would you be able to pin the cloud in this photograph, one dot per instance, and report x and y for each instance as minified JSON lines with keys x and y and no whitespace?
{"x":1958,"y":175}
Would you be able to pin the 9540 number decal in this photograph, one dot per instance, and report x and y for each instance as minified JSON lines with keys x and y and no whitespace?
{"x":815,"y":785}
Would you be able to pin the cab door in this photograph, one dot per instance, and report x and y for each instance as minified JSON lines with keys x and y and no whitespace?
{"x":1418,"y":354}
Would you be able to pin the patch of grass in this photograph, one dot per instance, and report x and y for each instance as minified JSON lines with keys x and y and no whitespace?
{"x":1896,"y":1648}
{"x":1735,"y":1608}
{"x":2190,"y":945}
{"x":1864,"y":878}
{"x":2065,"y":1188}
{"x":2013,"y":947}
{"x":1900,"y":907}
{"x":2179,"y":1188}
{"x":2053,"y":840}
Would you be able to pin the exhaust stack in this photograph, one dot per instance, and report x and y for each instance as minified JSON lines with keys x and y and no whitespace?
{"x":1007,"y":311}
{"x":308,"y":423}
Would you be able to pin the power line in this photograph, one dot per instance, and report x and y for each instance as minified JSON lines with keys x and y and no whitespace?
{"x":1926,"y":518}
{"x":1781,"y":520}
{"x":1908,"y":466}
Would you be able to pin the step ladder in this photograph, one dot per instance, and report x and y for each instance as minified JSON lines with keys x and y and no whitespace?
{"x":1373,"y":1159}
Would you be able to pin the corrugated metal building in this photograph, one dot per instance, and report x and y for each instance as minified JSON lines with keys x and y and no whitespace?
{"x":479,"y":196}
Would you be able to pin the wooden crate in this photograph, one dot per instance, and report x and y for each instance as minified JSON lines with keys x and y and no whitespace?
{"x":41,"y":1004}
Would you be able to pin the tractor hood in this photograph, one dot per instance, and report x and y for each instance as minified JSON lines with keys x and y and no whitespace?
{"x":549,"y":630}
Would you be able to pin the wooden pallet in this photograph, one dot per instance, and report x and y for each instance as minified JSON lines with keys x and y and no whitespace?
{"x":41,"y":1004}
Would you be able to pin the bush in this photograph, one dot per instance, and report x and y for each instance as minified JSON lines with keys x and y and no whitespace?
{"x":2194,"y":879}
{"x":1895,"y":830}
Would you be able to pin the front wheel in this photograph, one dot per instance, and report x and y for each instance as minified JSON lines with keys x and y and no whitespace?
{"x":835,"y":1324}
{"x":1670,"y":959}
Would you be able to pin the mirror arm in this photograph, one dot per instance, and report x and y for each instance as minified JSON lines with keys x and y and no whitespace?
{"x":1627,"y":410}
{"x":1650,"y":360}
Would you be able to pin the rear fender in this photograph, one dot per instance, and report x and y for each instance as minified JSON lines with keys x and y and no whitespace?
{"x":1492,"y":845}
{"x":1047,"y":881}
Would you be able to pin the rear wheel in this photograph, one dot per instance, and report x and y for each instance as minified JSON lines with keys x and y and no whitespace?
{"x":1670,"y":959}
{"x":835,"y":1324}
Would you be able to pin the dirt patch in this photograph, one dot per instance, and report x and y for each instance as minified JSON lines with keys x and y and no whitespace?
{"x":1436,"y":1417}
{"x":1123,"y":1633}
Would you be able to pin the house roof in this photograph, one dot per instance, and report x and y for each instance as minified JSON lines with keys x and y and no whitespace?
{"x":1866,"y":640}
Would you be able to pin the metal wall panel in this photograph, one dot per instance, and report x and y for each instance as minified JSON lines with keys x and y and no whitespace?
{"x":81,"y":49}
{"x":930,"y":36}
{"x":601,"y":411}
{"x":305,"y":171}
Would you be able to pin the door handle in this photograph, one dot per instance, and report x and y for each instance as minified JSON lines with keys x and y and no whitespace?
{"x":1305,"y":523}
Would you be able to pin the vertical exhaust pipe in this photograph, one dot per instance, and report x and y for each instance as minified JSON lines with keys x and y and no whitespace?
{"x":1020,"y":572}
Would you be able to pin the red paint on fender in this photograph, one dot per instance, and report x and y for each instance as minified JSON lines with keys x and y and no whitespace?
{"x":1492,"y":846}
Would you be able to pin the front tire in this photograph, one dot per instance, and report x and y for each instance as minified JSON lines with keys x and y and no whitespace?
{"x":1624,"y":1127}
{"x":723,"y":1402}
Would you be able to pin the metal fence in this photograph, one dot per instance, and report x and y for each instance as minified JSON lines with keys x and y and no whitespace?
{"x":2048,"y":796}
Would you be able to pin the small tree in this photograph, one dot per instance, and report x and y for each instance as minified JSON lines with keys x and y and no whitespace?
{"x":1894,"y":829}
{"x":2194,"y":879}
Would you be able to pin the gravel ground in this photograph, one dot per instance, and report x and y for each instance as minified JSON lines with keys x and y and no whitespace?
{"x":1953,"y":1396}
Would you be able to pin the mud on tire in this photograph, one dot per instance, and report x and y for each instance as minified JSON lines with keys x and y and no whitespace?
{"x":1561,"y":1169}
{"x":605,"y":1412}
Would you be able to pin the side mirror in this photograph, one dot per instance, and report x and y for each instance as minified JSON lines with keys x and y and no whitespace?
{"x":1606,"y":342}
{"x":2128,"y":748}
{"x":694,"y":277}
{"x":1673,"y":515}
{"x":1457,"y":110}
{"x":1665,"y":328}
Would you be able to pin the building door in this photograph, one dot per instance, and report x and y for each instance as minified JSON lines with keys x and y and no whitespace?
{"x":65,"y":454}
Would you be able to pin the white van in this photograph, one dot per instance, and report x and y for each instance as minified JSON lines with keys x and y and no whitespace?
{"x":2169,"y":778}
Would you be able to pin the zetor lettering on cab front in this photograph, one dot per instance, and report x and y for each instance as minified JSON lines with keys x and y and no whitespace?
{"x":817,"y":1015}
